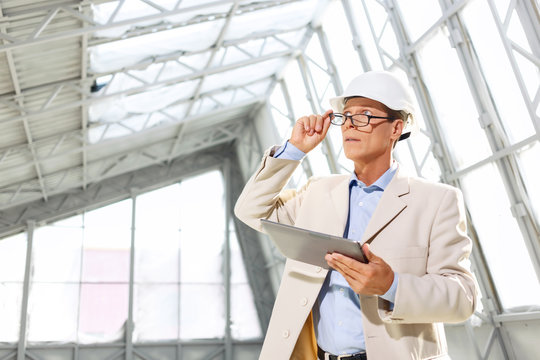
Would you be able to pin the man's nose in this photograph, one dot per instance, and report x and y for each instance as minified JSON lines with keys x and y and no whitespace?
{"x":348,"y":123}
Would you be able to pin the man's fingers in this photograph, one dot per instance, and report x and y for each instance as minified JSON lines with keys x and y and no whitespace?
{"x":347,"y":264}
{"x":369,"y":255}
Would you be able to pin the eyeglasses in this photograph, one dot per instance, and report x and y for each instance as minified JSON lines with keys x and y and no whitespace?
{"x":358,"y":120}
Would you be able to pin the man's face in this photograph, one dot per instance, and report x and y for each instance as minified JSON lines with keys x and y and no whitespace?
{"x":374,"y":141}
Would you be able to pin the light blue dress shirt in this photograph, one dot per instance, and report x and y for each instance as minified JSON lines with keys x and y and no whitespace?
{"x":336,"y":313}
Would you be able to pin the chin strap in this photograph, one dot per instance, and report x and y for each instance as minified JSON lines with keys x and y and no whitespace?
{"x":404,"y":136}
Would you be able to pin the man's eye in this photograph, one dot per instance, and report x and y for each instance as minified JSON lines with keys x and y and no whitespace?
{"x":366,"y":112}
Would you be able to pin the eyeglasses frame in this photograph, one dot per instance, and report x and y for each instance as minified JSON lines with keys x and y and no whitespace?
{"x":350,"y":117}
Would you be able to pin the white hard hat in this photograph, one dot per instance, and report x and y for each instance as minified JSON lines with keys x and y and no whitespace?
{"x":382,"y":86}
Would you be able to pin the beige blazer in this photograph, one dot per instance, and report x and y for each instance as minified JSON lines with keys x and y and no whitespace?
{"x":418,"y":228}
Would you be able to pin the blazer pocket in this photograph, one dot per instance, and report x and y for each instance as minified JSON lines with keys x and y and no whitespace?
{"x":410,"y":259}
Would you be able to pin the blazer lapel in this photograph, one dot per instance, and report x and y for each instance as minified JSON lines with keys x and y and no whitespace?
{"x":389,"y":207}
{"x":340,"y":201}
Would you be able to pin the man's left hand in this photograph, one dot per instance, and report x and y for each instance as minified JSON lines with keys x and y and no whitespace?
{"x":373,"y":278}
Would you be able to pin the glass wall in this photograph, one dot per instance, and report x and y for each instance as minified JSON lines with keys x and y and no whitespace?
{"x":80,"y":272}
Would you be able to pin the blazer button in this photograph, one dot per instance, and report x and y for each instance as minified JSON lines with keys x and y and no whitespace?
{"x":285,"y":334}
{"x":303,"y":301}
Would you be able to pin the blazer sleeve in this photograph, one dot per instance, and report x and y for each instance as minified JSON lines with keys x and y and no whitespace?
{"x":263,"y":196}
{"x":448,"y":290}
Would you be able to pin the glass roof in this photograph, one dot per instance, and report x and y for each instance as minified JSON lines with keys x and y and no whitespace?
{"x":208,"y":56}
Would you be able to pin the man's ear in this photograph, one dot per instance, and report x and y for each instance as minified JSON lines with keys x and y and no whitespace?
{"x":397,"y":129}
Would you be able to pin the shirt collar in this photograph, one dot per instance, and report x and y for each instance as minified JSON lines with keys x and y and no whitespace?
{"x":381,"y":182}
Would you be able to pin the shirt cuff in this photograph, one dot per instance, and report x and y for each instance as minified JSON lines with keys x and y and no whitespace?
{"x":289,"y":152}
{"x":390,"y":295}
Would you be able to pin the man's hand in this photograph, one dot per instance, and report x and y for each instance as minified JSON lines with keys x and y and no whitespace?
{"x":373,"y":278}
{"x":309,"y":131}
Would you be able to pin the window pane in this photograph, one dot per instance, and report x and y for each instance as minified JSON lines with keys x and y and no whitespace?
{"x":245,"y":322}
{"x":115,"y":215}
{"x":105,"y":265}
{"x":157,"y":262}
{"x":203,"y":229}
{"x":340,"y":42}
{"x":12,"y":258}
{"x":366,"y":37}
{"x":103,"y":312}
{"x":453,"y":102}
{"x":159,"y":208}
{"x":57,"y":254}
{"x":157,"y":235}
{"x":531,"y":174}
{"x":107,"y":242}
{"x":202,"y":311}
{"x":10,"y":311}
{"x":419,"y":16}
{"x":53,"y":312}
{"x":155,"y":312}
{"x":297,"y":91}
{"x":501,"y":239}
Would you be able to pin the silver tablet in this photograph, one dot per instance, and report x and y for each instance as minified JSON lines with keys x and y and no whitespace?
{"x":310,"y":246}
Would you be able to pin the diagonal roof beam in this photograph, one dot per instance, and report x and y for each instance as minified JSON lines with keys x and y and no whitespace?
{"x":16,"y":86}
{"x":218,"y":44}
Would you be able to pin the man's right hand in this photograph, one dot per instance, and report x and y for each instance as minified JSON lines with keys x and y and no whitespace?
{"x":309,"y":131}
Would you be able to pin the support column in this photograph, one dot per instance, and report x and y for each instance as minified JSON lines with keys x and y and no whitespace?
{"x":129,"y":323}
{"x":21,"y":349}
{"x":227,"y":261}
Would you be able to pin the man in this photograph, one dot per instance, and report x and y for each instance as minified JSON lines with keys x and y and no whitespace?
{"x":413,"y":231}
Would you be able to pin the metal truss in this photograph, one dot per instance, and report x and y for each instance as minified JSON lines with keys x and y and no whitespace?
{"x":130,"y":185}
{"x":48,"y":100}
{"x":112,"y":164}
{"x":43,"y":33}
